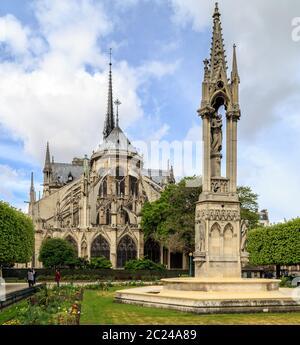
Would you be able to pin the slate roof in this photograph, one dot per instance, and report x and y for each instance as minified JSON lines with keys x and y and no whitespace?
{"x":61,"y":171}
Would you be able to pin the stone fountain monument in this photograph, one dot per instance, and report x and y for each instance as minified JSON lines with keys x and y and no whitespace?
{"x":220,"y":235}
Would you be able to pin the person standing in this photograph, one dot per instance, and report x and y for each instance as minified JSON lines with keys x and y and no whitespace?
{"x":34,"y":276}
{"x":57,"y":277}
{"x":30,"y":277}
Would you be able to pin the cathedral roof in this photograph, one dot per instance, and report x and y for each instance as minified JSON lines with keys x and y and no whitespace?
{"x":61,"y":172}
{"x":117,"y":140}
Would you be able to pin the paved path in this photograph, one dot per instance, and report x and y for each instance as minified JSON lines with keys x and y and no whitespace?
{"x":12,"y":287}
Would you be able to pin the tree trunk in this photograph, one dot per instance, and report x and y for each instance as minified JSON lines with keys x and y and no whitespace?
{"x":278,"y":271}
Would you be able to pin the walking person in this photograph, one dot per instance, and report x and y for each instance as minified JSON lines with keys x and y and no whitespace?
{"x":34,"y":276}
{"x":57,"y":277}
{"x":30,"y":277}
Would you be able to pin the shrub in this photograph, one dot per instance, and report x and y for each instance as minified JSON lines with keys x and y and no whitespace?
{"x":100,"y":262}
{"x":143,"y":264}
{"x":286,"y":281}
{"x":56,"y":252}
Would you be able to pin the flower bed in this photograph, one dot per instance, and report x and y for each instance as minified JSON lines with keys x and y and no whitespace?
{"x":56,"y":306}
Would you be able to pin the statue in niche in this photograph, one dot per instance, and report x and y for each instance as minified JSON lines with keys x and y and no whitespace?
{"x":216,"y":134}
{"x":200,"y":237}
{"x":244,"y":231}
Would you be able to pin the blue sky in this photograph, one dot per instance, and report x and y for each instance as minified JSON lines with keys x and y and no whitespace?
{"x":53,"y":84}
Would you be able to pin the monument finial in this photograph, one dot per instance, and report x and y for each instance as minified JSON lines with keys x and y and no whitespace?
{"x":234,"y":72}
{"x":217,"y":12}
{"x":217,"y":54}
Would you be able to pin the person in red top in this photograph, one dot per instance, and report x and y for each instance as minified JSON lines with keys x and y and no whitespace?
{"x":57,"y":277}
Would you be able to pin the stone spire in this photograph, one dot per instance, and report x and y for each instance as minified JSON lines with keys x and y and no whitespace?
{"x":217,"y":53}
{"x":109,"y":124}
{"x":47,"y":166}
{"x":32,"y":190}
{"x":234,"y":72}
{"x":47,"y":172}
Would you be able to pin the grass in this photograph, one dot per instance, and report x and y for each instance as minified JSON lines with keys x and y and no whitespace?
{"x":11,"y":312}
{"x":98,"y":308}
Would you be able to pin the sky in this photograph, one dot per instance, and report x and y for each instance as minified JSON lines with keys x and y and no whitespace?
{"x":54,"y":72}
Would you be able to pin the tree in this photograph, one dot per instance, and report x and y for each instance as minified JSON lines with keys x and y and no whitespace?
{"x":249,"y":205}
{"x":275,"y":245}
{"x":171,"y":219}
{"x":16,"y":236}
{"x":56,"y":252}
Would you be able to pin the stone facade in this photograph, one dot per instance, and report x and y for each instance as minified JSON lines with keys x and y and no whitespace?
{"x":95,"y":203}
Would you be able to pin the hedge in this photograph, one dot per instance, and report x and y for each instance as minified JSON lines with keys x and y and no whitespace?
{"x":93,"y":274}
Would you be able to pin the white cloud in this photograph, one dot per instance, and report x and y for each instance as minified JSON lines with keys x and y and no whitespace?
{"x":14,"y":34}
{"x":57,"y":99}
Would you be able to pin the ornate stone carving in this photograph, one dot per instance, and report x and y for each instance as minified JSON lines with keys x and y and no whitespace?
{"x":219,"y":185}
{"x":218,"y":215}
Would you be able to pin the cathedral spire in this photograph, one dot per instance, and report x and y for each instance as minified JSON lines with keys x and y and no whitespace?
{"x":32,"y":190}
{"x":47,"y":158}
{"x":109,"y":124}
{"x":217,"y":54}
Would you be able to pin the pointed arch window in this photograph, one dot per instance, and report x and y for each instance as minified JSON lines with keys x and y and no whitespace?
{"x":103,"y":188}
{"x":152,"y":250}
{"x":126,"y":251}
{"x":100,"y":247}
{"x":73,"y":242}
{"x":133,"y":185}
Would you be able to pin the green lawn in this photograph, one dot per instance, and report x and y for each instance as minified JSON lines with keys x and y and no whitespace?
{"x":10,"y":312}
{"x":98,"y":308}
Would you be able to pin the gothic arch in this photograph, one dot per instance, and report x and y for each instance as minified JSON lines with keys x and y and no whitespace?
{"x":152,"y":250}
{"x":219,"y":99}
{"x":103,"y":187}
{"x":229,"y":241}
{"x":73,"y":242}
{"x":126,"y":250}
{"x":215,"y":240}
{"x":133,"y":186}
{"x":100,"y":247}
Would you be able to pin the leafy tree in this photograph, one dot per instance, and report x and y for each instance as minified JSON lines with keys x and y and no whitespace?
{"x":100,"y":262}
{"x":171,"y":219}
{"x":278,"y":244}
{"x":56,"y":252}
{"x":143,"y":264}
{"x":249,"y":205}
{"x":16,"y":236}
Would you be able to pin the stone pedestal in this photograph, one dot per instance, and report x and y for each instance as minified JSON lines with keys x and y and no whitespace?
{"x":220,"y":284}
{"x":218,"y":229}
